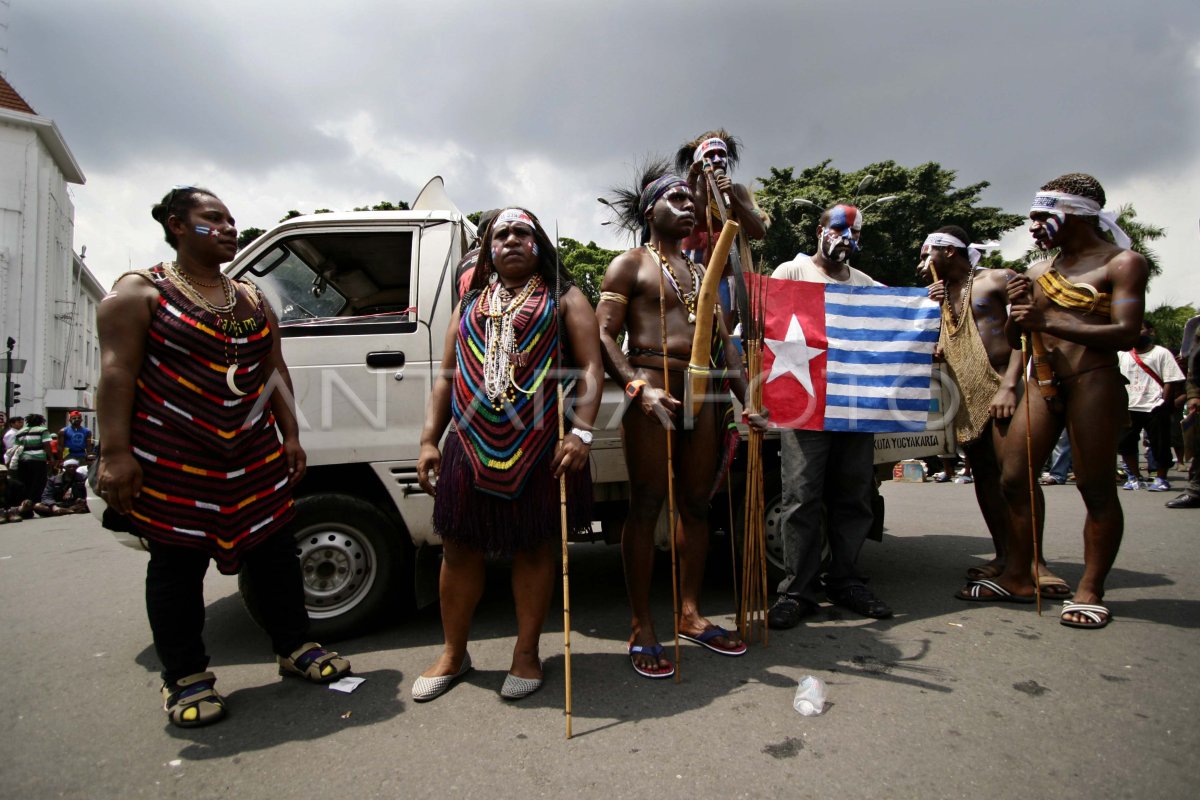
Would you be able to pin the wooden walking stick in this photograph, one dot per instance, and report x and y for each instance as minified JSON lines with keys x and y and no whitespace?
{"x":1026,"y":358}
{"x":562,"y":490}
{"x":672,"y":522}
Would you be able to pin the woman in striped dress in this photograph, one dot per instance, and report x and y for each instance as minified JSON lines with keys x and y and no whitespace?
{"x":192,"y":454}
{"x":521,"y":328}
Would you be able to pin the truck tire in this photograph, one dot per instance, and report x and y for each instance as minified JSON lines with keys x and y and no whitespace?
{"x":353,"y":563}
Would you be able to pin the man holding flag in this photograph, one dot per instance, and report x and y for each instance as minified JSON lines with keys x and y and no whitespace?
{"x":845,"y":357}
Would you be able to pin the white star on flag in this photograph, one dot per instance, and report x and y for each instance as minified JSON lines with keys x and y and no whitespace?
{"x":792,"y":356}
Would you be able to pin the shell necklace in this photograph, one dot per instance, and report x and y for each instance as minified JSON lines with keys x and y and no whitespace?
{"x":689,"y":299}
{"x":500,"y":356}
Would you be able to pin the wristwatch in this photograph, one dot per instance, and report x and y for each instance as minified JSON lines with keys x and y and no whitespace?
{"x":584,"y":436}
{"x":634,"y":387}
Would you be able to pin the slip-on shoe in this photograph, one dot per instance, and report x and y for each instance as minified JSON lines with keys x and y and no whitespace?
{"x":515,"y":687}
{"x":425,"y":689}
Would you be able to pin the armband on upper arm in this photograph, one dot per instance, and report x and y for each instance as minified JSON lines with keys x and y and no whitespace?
{"x":614,"y":297}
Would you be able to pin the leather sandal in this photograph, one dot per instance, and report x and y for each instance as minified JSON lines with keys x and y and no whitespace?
{"x":192,"y":701}
{"x":313,"y":663}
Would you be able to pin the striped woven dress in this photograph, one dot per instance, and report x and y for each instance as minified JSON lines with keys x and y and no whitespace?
{"x":496,"y":492}
{"x":214,"y":473}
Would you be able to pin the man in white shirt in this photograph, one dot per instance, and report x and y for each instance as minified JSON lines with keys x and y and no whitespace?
{"x":834,"y":469}
{"x":10,"y":433}
{"x":1154,"y":380}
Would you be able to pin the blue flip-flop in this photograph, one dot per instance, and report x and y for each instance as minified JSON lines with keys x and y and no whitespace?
{"x":705,"y":639}
{"x":655,"y":651}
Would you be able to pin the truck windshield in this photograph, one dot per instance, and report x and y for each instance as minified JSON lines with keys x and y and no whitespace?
{"x":323,"y":275}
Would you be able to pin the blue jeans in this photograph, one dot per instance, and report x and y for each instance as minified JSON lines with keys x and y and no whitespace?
{"x":1060,"y":459}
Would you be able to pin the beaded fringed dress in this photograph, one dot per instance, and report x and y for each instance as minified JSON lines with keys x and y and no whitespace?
{"x":214,"y":475}
{"x":496,"y":492}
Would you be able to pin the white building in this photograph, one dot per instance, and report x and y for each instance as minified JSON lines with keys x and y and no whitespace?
{"x":48,"y":298}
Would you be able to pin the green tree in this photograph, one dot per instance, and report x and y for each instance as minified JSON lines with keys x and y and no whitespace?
{"x":924,"y":199}
{"x":385,"y":205}
{"x":1168,"y":322}
{"x":586,"y":263}
{"x":248,"y":235}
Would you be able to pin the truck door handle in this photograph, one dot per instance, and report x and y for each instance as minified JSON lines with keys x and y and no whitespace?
{"x":386,"y":358}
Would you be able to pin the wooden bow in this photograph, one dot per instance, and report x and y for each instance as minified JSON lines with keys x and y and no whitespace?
{"x":706,"y":310}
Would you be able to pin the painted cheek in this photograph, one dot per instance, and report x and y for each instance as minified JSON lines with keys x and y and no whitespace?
{"x":533,"y":248}
{"x":496,"y":249}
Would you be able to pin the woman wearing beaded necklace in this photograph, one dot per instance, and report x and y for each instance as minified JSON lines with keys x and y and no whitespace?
{"x":192,"y":459}
{"x":495,"y":480}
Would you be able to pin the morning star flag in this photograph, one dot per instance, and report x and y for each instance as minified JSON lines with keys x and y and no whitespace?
{"x":847,"y":358}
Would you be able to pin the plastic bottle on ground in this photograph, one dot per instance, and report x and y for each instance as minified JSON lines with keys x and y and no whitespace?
{"x":810,"y":696}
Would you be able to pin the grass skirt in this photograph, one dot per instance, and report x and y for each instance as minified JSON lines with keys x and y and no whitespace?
{"x":500,"y":526}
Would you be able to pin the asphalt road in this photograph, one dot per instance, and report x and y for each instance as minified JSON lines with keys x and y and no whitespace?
{"x":945,"y":700}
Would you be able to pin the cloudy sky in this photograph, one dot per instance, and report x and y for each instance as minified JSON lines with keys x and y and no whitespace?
{"x":282,"y":104}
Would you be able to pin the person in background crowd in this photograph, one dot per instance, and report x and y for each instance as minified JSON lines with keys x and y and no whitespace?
{"x":1154,"y":380}
{"x":10,"y":433}
{"x":75,"y":439}
{"x":33,"y":460}
{"x":1190,"y":498}
{"x":9,"y":497}
{"x":65,"y":493}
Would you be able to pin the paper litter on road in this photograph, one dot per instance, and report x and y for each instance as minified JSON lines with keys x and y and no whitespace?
{"x":175,"y":762}
{"x":346,"y":685}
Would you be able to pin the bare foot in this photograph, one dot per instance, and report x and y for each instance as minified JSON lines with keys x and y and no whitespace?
{"x":986,"y":571}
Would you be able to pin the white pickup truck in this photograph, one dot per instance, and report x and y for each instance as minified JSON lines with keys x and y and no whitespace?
{"x":364,"y":299}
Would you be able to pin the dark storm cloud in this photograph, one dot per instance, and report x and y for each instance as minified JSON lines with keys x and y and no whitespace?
{"x":366,"y":98}
{"x":1001,"y":91}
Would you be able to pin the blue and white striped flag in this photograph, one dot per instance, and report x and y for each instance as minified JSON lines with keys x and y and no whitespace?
{"x":848,"y":358}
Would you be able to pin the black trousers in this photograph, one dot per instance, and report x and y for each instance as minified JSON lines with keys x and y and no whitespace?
{"x":1157,"y":425}
{"x":32,"y":473}
{"x":175,"y":601}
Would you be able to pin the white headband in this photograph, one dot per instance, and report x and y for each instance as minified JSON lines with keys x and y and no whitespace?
{"x":974,"y":251}
{"x":514,"y":215}
{"x":709,"y":144}
{"x":1061,"y":203}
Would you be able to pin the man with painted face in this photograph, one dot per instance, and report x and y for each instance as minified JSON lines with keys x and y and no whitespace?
{"x":1079,"y":308}
{"x":662,"y":210}
{"x":826,"y":467}
{"x":987,"y":372}
{"x":717,"y":151}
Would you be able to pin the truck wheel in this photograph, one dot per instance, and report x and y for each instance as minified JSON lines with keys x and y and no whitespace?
{"x":352,"y":561}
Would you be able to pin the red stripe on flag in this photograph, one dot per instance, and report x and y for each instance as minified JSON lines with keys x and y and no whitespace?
{"x":786,"y":391}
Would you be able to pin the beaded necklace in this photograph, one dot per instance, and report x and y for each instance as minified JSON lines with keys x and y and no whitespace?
{"x":500,"y":309}
{"x":224,"y":314}
{"x":956,"y":320}
{"x":688,"y":299}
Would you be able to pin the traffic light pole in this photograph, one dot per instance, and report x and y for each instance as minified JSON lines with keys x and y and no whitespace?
{"x":8,"y":379}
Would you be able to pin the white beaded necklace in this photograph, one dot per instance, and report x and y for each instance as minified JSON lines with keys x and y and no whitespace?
{"x":501,"y":341}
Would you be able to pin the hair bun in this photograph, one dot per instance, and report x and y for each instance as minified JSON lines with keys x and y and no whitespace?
{"x":159,"y":212}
